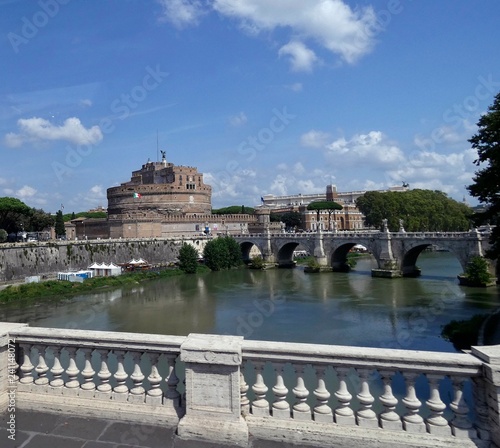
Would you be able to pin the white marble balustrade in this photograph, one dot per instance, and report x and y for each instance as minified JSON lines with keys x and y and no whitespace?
{"x":355,"y":386}
{"x":227,"y":388}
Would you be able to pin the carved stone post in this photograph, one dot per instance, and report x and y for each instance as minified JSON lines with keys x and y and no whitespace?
{"x":8,"y":362}
{"x":319,"y":251}
{"x":213,"y":394}
{"x":487,"y":393}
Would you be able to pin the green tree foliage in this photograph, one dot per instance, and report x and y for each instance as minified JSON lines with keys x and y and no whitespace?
{"x":39,"y":220}
{"x":486,"y":186}
{"x":292,"y":220}
{"x":69,"y":216}
{"x":188,"y":259}
{"x":222,"y":253}
{"x":233,"y":210}
{"x":3,"y":235}
{"x":59,"y":224}
{"x":420,"y":210}
{"x":477,"y":272}
{"x":13,"y":214}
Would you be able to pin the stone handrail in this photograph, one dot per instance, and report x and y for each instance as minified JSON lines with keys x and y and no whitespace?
{"x":271,"y":389}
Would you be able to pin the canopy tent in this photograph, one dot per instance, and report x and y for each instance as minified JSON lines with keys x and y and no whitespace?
{"x":105,"y":270}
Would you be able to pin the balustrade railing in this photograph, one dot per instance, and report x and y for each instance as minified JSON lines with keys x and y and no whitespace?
{"x":366,"y":387}
{"x":121,"y":367}
{"x":232,"y":383}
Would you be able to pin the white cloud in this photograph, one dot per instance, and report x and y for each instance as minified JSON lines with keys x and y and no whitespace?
{"x":372,"y":147}
{"x":314,"y":139}
{"x":302,"y":59}
{"x":331,"y":24}
{"x":86,"y":102}
{"x":29,"y":195}
{"x":238,"y":120}
{"x":182,"y":13}
{"x":37,"y":130}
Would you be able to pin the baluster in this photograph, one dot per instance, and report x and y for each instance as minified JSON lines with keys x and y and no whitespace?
{"x":72,"y":384}
{"x":301,"y":410}
{"x":104,"y":388}
{"x":120,"y":391}
{"x":27,"y":367}
{"x":57,"y":370}
{"x":365,"y":416}
{"x":344,"y":415}
{"x":436,"y":423}
{"x":154,"y":394}
{"x":13,"y":367}
{"x":88,"y":386}
{"x":461,"y":426}
{"x":260,"y":405}
{"x":322,"y":412}
{"x":245,"y":402}
{"x":412,"y":421}
{"x":172,"y":381}
{"x":41,"y":369}
{"x":481,"y":407}
{"x":280,"y":408}
{"x":137,"y":393}
{"x":389,"y":418}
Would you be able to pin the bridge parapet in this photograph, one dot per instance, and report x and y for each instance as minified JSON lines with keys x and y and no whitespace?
{"x":333,"y":395}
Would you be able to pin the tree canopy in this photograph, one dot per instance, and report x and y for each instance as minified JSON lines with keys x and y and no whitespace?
{"x":13,"y":214}
{"x":233,"y":210}
{"x":420,"y":210}
{"x":222,"y":253}
{"x":324,"y":205}
{"x":486,"y":186}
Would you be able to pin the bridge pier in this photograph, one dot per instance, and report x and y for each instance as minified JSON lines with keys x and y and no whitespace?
{"x":388,"y":266}
{"x":319,"y":250}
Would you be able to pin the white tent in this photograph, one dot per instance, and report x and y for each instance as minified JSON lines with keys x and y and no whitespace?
{"x":105,"y":270}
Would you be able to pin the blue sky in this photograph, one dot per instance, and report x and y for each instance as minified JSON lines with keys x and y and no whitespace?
{"x":263,"y":97}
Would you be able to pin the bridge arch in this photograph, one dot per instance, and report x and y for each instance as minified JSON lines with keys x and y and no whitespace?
{"x":246,"y":248}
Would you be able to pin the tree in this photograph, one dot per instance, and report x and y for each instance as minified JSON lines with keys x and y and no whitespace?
{"x":188,"y":259}
{"x":59,"y":225}
{"x":292,"y":220}
{"x":222,"y":253}
{"x":486,"y":186}
{"x":13,"y":214}
{"x":329,"y":206}
{"x":477,"y":272}
{"x":3,"y":236}
{"x":39,"y":220}
{"x":233,"y":210}
{"x":420,"y":210}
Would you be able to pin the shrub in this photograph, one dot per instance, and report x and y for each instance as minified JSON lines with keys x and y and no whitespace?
{"x":222,"y":253}
{"x":477,"y":272}
{"x":188,"y":259}
{"x":257,"y":262}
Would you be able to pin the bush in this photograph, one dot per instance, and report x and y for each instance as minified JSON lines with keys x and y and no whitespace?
{"x":188,"y":259}
{"x":477,"y":272}
{"x":222,"y":253}
{"x":257,"y":262}
{"x":3,"y":236}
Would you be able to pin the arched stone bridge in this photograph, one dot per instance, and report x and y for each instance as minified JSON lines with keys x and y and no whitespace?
{"x":396,"y":253}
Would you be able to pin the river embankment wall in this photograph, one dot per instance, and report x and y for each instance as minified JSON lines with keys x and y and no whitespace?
{"x":20,"y":260}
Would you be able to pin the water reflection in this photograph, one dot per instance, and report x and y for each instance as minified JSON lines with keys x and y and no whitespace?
{"x":283,"y":304}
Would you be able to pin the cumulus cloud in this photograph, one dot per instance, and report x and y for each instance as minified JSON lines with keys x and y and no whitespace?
{"x":302,"y":59}
{"x":182,"y":13}
{"x":314,"y":139}
{"x":331,"y":24}
{"x":37,"y":130}
{"x":238,"y":120}
{"x":372,"y":147}
{"x":27,"y":194}
{"x":295,"y":87}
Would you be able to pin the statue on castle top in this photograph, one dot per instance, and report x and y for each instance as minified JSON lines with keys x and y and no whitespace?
{"x":163,"y":155}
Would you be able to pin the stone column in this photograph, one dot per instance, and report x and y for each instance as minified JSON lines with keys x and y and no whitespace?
{"x":213,"y":398}
{"x":387,"y":265}
{"x":490,"y":405}
{"x":8,"y":357}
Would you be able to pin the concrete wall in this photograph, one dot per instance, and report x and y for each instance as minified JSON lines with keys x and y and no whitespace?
{"x":19,"y":260}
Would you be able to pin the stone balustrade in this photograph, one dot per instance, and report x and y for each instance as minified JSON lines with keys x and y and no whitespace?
{"x":225,"y":388}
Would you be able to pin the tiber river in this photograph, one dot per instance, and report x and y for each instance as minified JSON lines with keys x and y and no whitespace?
{"x":282,"y":305}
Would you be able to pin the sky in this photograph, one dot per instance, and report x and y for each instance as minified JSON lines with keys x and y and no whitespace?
{"x":263,"y":97}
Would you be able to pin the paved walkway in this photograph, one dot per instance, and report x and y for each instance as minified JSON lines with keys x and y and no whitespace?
{"x":43,"y":430}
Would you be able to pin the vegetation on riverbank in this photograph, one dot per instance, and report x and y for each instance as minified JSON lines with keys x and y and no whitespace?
{"x":64,"y":289}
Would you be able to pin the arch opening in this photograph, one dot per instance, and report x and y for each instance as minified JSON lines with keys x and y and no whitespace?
{"x":249,"y":250}
{"x":285,"y":255}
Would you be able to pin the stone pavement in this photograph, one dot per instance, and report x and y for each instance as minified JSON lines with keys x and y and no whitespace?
{"x":44,"y":430}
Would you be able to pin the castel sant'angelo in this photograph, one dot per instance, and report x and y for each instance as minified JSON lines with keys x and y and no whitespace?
{"x":162,"y":199}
